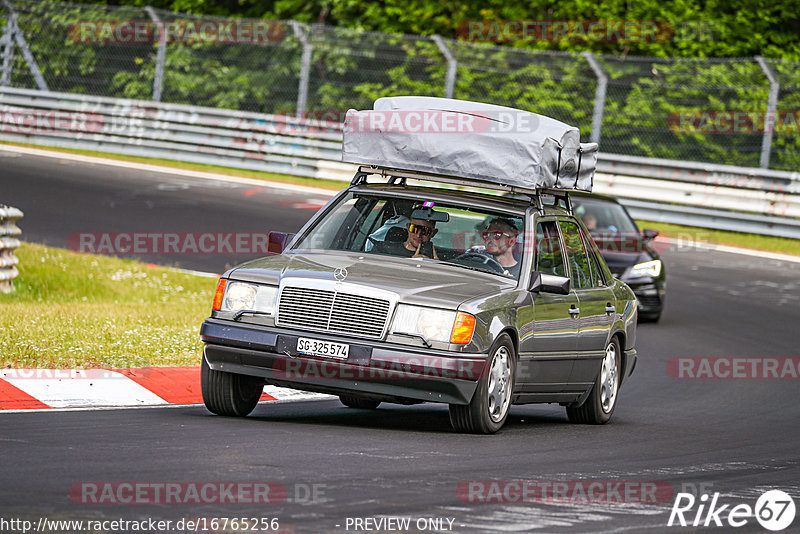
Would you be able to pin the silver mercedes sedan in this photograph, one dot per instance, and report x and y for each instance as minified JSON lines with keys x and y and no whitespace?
{"x":397,"y":293}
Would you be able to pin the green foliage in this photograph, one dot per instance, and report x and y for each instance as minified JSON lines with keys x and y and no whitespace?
{"x":650,"y":83}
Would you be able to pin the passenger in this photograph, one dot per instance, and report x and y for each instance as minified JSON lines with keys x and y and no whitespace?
{"x":590,"y":220}
{"x":499,"y":238}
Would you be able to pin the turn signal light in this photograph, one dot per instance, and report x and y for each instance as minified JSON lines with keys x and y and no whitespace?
{"x":463,"y":328}
{"x":217,"y":304}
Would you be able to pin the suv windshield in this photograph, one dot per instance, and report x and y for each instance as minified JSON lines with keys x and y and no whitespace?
{"x":603,"y":217}
{"x":376,"y":223}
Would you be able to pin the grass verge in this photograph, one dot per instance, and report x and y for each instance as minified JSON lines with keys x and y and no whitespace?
{"x":72,"y":310}
{"x":781,"y":245}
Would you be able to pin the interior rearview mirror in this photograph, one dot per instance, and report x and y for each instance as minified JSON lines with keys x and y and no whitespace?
{"x":549,"y":283}
{"x":427,"y":214}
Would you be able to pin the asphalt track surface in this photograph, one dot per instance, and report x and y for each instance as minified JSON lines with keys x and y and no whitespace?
{"x":737,"y":437}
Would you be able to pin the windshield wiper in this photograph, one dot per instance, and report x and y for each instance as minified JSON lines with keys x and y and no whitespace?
{"x":238,"y":314}
{"x":416,"y":336}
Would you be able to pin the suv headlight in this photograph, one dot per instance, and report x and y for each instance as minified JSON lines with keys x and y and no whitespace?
{"x":652,"y":268}
{"x":243,"y":296}
{"x":434,"y":325}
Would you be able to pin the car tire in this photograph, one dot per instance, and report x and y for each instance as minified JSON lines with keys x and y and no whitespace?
{"x":599,"y":406}
{"x":488,"y":410}
{"x":229,"y":394}
{"x":358,"y":403}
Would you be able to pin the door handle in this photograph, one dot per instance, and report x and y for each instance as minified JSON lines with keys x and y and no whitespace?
{"x":610,"y":308}
{"x":573,"y":311}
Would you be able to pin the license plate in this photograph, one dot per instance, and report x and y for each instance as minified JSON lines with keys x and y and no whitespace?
{"x":327,"y":349}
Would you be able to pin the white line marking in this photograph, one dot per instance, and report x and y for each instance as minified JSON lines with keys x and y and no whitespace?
{"x":731,"y":250}
{"x":169,"y":170}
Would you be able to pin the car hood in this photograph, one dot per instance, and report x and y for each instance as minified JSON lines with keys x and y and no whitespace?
{"x":415,"y":281}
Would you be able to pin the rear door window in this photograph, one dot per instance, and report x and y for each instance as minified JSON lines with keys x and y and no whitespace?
{"x":581,"y":271}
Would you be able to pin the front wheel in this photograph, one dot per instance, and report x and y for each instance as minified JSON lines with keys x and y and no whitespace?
{"x":488,"y":410}
{"x":599,"y":406}
{"x":229,"y":394}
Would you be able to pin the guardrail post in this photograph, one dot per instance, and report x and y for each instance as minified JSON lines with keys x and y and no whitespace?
{"x":7,"y":42}
{"x":772,"y":104}
{"x":452,"y":65}
{"x":305,"y":68}
{"x":8,"y":243}
{"x":23,"y":47}
{"x":161,"y":54}
{"x":599,"y":96}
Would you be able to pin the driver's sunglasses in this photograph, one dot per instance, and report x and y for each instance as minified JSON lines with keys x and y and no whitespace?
{"x":494,"y":235}
{"x":418,"y":229}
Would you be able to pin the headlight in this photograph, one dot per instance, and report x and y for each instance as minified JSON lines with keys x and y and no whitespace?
{"x":653,"y":268}
{"x":242,"y":296}
{"x":433,"y":324}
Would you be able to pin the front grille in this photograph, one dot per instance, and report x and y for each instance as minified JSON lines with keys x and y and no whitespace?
{"x":331,"y":311}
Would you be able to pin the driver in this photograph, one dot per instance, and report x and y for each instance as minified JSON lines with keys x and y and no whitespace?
{"x":499,"y":238}
{"x":590,"y":220}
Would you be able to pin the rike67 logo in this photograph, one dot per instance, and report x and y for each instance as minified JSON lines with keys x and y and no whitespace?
{"x":774,"y":510}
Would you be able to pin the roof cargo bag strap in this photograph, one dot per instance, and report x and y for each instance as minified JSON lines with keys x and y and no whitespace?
{"x":587,"y":166}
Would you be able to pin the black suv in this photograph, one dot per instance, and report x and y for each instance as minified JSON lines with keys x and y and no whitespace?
{"x":627,"y":250}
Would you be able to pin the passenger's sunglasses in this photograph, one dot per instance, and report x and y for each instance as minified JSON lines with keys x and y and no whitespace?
{"x":494,"y":235}
{"x":421,"y":230}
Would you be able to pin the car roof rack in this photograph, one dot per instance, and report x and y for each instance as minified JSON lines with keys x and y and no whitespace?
{"x":401,"y":176}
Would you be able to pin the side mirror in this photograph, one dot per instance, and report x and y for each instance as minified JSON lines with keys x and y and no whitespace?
{"x":277,"y":241}
{"x":549,"y":283}
{"x":648,"y":235}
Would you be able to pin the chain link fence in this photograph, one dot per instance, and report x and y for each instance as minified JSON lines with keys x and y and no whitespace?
{"x":732,"y":111}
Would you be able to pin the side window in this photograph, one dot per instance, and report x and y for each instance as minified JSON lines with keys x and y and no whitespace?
{"x":576,"y":255}
{"x":549,"y":259}
{"x":597,"y":274}
{"x":594,"y":261}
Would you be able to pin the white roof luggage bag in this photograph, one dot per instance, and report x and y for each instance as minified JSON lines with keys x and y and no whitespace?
{"x":480,"y":142}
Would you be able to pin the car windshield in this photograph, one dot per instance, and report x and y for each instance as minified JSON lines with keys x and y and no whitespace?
{"x":602,"y":217}
{"x":454,"y":234}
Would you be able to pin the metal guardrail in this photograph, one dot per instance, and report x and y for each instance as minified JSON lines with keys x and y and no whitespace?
{"x":724,"y":197}
{"x":240,"y":139}
{"x":8,"y":243}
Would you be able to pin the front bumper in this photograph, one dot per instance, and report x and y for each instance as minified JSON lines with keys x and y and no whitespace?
{"x":373,"y":369}
{"x":650,"y":296}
